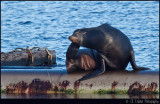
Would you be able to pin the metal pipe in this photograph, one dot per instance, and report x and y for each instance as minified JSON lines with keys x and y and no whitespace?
{"x":109,"y":80}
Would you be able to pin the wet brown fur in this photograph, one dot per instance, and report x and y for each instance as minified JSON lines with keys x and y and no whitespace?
{"x":87,"y":62}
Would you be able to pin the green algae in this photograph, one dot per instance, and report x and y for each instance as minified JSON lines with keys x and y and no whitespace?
{"x":3,"y":91}
{"x":109,"y":91}
{"x":99,"y":91}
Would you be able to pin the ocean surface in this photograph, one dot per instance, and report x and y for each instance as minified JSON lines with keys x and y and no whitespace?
{"x":79,"y":96}
{"x":50,"y":23}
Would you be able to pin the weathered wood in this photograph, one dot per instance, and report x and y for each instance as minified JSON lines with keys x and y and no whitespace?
{"x":21,"y":58}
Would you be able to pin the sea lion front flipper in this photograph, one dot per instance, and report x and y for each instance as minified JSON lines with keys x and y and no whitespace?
{"x":107,"y":61}
{"x":94,"y":73}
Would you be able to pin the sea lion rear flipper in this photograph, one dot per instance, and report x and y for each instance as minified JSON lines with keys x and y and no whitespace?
{"x":94,"y":73}
{"x":133,"y":63}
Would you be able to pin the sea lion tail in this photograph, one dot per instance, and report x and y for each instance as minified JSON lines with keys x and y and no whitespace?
{"x":133,"y":63}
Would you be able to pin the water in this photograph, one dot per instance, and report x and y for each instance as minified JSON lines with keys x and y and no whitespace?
{"x":49,"y":23}
{"x":79,"y":96}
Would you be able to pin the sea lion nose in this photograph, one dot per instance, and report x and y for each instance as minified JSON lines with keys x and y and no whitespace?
{"x":73,"y":39}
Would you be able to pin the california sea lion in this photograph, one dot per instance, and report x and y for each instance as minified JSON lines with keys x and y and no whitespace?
{"x":112,"y":45}
{"x":81,"y":59}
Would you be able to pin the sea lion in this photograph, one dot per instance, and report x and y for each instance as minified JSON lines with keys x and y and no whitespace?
{"x":111,"y":44}
{"x":81,"y":59}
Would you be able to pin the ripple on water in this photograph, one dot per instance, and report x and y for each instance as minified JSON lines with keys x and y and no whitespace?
{"x":49,"y":24}
{"x":25,"y":23}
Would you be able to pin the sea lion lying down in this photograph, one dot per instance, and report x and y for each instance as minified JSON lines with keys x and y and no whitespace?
{"x":84,"y":59}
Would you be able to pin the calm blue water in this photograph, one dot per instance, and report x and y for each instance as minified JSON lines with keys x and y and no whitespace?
{"x":49,"y":23}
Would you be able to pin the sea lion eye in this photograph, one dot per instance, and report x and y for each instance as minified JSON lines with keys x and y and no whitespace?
{"x":72,"y":61}
{"x":84,"y":33}
{"x":77,"y":33}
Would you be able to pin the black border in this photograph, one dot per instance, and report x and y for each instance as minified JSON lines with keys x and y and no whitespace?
{"x":74,"y":101}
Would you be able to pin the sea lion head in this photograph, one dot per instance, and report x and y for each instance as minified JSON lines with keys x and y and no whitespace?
{"x":71,"y":65}
{"x":78,"y":36}
{"x":87,"y":37}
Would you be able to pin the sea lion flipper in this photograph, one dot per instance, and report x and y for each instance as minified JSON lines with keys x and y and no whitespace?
{"x":94,"y":73}
{"x":133,"y":63}
{"x":107,"y":61}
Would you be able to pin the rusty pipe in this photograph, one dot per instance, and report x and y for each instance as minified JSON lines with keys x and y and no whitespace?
{"x":111,"y":79}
